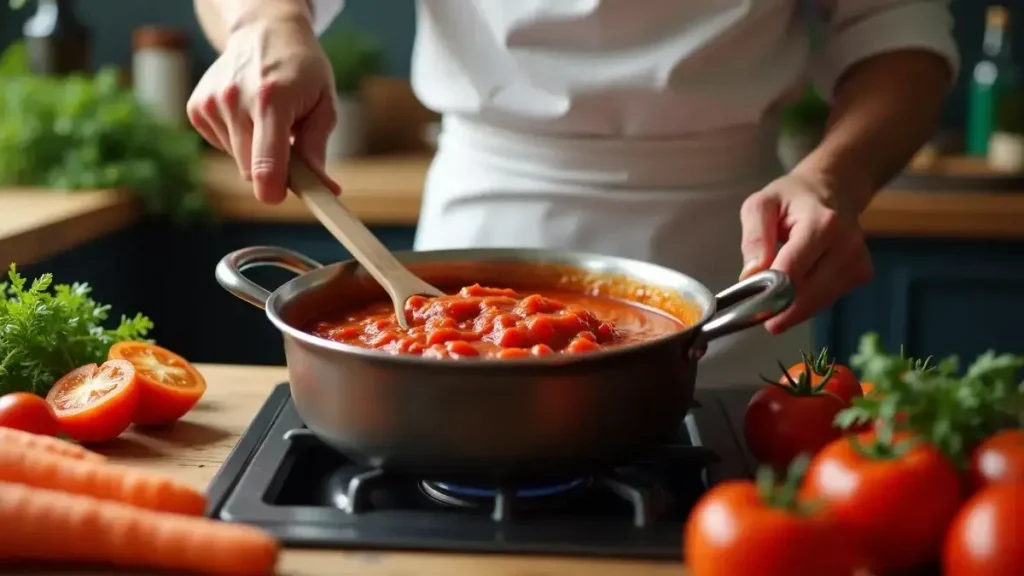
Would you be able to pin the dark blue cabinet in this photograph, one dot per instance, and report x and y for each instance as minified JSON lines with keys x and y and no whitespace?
{"x":166,"y":273}
{"x":935,"y":297}
{"x":196,"y":317}
{"x":109,"y":265}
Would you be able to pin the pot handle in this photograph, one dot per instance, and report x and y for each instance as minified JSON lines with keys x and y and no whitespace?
{"x":756,"y":299}
{"x":230,"y":268}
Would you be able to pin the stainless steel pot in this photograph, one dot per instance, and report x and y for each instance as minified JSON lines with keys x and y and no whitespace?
{"x":501,"y":422}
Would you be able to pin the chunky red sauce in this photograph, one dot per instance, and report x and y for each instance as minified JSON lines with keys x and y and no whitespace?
{"x":499,"y":323}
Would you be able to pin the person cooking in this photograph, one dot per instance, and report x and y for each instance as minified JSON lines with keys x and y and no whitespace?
{"x":637,"y":128}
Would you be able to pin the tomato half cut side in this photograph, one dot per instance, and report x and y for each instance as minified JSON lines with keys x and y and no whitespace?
{"x":169,"y":385}
{"x":95,"y":403}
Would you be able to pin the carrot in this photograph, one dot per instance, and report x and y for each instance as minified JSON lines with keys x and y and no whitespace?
{"x":10,"y":437}
{"x":38,"y":524}
{"x":100,"y":480}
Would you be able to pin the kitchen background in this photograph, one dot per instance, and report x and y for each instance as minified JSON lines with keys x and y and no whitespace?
{"x":947,"y":237}
{"x":392,"y":22}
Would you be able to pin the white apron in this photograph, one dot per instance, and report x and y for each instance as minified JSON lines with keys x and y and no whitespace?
{"x":642,"y":104}
{"x":672,"y":202}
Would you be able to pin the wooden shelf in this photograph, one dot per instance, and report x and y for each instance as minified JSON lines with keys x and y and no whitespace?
{"x":379,"y":190}
{"x":388,"y":189}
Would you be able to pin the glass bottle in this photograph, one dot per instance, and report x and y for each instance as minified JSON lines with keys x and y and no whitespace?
{"x":993,"y":81}
{"x":57,"y":42}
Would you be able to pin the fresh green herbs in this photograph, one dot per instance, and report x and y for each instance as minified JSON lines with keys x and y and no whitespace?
{"x":354,"y":56}
{"x":14,"y":60}
{"x":952,"y":410}
{"x":47,"y":330}
{"x":809,"y":114}
{"x":76,"y":132}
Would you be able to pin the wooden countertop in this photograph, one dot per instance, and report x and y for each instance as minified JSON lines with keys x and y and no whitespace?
{"x":35,"y":224}
{"x":386,"y":190}
{"x":969,"y":215}
{"x":194,"y":449}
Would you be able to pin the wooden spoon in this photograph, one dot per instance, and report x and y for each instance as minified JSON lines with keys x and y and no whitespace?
{"x":396,"y":279}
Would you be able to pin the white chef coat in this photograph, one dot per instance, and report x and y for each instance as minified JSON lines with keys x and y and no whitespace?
{"x":631,"y":127}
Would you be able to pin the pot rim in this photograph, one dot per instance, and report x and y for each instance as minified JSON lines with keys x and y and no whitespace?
{"x":698,"y":294}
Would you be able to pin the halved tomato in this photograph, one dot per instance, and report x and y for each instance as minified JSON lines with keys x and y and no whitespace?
{"x":169,"y":386}
{"x":95,"y":403}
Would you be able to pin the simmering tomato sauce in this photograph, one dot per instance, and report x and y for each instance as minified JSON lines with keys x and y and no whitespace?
{"x":500,"y":323}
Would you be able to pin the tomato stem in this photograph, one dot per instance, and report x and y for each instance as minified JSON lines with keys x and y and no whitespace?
{"x":802,"y":385}
{"x":821,"y":364}
{"x":784,"y":494}
{"x":882,"y":446}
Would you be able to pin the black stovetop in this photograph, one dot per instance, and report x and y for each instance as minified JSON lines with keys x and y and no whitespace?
{"x":282,"y":478}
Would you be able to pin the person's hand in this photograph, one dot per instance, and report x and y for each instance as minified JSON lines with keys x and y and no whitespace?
{"x":272,"y":84}
{"x":823,"y":250}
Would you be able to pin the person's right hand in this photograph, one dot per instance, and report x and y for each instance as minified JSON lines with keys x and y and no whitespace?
{"x":272,"y":84}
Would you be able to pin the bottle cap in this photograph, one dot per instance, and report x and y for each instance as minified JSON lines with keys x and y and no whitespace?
{"x":997,"y":17}
{"x":158,"y":37}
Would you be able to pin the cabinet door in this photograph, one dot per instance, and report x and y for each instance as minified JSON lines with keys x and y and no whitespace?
{"x":935,"y":298}
{"x":111,"y":265}
{"x":198,"y":318}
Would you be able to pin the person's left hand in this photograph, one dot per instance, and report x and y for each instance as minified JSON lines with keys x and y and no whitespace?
{"x":823,"y":250}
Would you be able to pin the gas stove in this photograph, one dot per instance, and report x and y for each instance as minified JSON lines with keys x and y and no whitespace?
{"x":282,"y":478}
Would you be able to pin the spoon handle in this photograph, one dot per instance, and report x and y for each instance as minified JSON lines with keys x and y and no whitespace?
{"x":356,"y":237}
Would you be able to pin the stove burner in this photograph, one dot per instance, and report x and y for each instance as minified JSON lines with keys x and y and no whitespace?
{"x":353,"y":492}
{"x":471,"y":492}
{"x":284,"y":479}
{"x":501,"y":498}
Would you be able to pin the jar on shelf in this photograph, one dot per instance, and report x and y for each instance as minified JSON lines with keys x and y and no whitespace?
{"x":57,"y":42}
{"x":160,"y":72}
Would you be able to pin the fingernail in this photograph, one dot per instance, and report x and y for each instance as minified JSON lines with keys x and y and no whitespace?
{"x":749,"y":268}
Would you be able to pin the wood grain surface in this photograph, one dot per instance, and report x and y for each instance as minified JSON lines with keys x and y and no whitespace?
{"x":37,"y":224}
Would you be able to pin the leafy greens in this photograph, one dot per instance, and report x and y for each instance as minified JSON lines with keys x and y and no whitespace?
{"x":78,"y":132}
{"x":953,"y":411}
{"x":47,"y":330}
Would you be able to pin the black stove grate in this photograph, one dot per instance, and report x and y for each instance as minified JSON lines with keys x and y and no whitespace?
{"x":282,"y":478}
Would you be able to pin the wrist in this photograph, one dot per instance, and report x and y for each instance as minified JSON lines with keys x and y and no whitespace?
{"x":844,"y":186}
{"x":241,"y":13}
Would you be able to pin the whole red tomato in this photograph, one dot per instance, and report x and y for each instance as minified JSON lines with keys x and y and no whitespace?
{"x":784,"y":421}
{"x":839,"y":379}
{"x":736,"y":531}
{"x":999,"y":459}
{"x":896,"y":498}
{"x":985,"y":537}
{"x":29,"y":413}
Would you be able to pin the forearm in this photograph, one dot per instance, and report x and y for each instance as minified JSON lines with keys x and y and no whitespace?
{"x":884,"y":108}
{"x":218,"y":17}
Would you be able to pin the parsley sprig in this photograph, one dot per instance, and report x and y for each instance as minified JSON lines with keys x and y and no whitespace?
{"x":47,"y":330}
{"x":89,"y":132}
{"x":951,"y":409}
